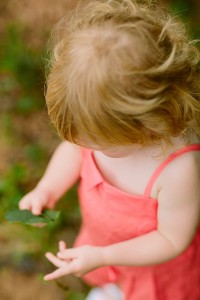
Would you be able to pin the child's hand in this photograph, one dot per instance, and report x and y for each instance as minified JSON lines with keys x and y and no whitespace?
{"x":35,"y":201}
{"x":76,"y":261}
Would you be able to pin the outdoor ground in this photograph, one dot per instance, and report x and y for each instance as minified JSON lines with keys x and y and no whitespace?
{"x":27,"y":141}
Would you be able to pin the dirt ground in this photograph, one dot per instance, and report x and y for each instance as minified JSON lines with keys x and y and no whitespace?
{"x":16,"y":285}
{"x":19,"y":286}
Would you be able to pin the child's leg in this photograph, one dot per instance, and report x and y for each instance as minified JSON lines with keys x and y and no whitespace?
{"x":109,"y":291}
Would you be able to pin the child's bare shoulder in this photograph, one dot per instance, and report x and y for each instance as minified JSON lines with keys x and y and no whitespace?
{"x":185,"y":165}
{"x":182,"y":175}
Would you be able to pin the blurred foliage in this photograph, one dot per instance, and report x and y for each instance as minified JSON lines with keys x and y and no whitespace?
{"x":26,"y":217}
{"x":22,"y":99}
{"x":22,"y":70}
{"x":189,"y":12}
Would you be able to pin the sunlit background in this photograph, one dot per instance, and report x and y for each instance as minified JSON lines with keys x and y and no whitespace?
{"x":27,"y":140}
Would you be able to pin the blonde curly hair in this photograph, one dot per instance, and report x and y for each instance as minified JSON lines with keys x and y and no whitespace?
{"x":123,"y":73}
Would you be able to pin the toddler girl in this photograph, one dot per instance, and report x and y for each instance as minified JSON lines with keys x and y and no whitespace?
{"x":123,"y":92}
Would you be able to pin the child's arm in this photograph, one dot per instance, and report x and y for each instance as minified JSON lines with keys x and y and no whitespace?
{"x":62,"y":172}
{"x":178,"y":219}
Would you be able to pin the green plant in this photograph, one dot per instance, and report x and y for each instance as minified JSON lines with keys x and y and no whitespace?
{"x":26,"y":217}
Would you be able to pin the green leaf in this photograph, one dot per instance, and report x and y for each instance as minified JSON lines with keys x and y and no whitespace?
{"x":51,"y":215}
{"x":26,"y":217}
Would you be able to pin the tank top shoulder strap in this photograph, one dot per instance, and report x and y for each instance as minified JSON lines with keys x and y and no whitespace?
{"x":171,"y":157}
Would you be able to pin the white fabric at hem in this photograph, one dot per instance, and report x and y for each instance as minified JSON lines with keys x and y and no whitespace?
{"x":107,"y":292}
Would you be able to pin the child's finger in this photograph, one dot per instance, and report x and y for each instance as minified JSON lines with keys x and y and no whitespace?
{"x":36,"y":209}
{"x":62,"y":246}
{"x":55,"y":260}
{"x":68,"y":254}
{"x":67,"y":270}
{"x":23,"y":204}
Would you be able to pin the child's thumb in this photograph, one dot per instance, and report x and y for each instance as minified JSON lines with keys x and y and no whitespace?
{"x":36,"y":209}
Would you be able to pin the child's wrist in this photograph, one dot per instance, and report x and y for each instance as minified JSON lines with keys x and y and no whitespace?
{"x":43,"y":188}
{"x":106,"y":254}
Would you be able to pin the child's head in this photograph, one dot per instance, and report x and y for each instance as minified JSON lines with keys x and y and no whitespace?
{"x":123,"y":73}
